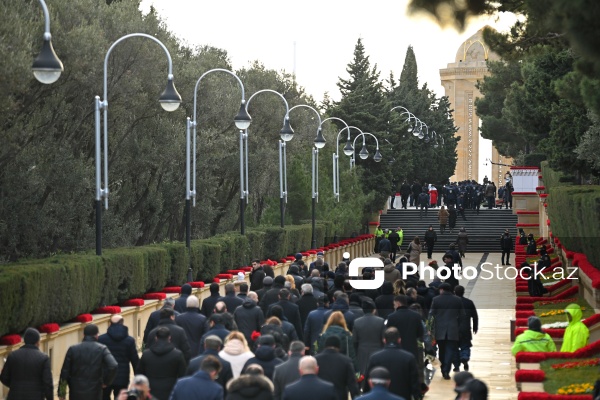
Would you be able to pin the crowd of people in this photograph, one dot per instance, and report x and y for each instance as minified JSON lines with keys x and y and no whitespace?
{"x":306,"y":333}
{"x":463,"y":195}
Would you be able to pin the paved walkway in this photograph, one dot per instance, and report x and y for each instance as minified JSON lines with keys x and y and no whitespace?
{"x":491,"y":360}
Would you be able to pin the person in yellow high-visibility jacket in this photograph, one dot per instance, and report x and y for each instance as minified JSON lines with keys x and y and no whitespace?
{"x":378,"y":235}
{"x":400,"y":233}
{"x":576,"y":334}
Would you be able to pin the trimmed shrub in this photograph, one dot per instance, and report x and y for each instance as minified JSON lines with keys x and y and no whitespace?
{"x":211,"y":261}
{"x":256,"y":244}
{"x":275,"y":243}
{"x":125,"y":274}
{"x":179,"y":259}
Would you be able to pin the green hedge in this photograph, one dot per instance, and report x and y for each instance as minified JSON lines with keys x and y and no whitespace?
{"x":59,"y":288}
{"x":553,"y":178}
{"x":575,"y":215}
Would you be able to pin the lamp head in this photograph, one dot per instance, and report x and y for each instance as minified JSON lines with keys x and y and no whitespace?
{"x":170,"y":98}
{"x":416,"y":132}
{"x":421,"y":135}
{"x":377,"y":157}
{"x":286,"y":133}
{"x":364,"y":153}
{"x":47,"y":67}
{"x":410,"y":129}
{"x":320,"y":139}
{"x":242,"y":119}
{"x":427,"y":138}
{"x":348,"y":148}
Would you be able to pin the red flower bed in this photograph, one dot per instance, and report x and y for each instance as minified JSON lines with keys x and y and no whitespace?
{"x":83,"y":318}
{"x":154,"y":296}
{"x":216,"y":280}
{"x":198,"y":284}
{"x":577,"y":364}
{"x":530,"y":375}
{"x":49,"y":328}
{"x":133,"y":303}
{"x":567,"y":293}
{"x":10,"y":340}
{"x":172,"y":289}
{"x":107,"y":310}
{"x":235,"y":271}
{"x":224,"y":276}
{"x":283,"y":260}
{"x":547,"y":396}
{"x":580,"y":260}
{"x":525,"y":314}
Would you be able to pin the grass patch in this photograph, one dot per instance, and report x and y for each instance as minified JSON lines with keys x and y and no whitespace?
{"x":538,"y":308}
{"x":557,"y":378}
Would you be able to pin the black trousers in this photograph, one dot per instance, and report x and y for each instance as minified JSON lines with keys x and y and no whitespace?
{"x":404,"y":199}
{"x":507,"y":253}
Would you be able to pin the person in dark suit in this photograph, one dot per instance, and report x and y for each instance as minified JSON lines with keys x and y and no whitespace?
{"x":405,"y":380}
{"x":154,"y":318}
{"x":367,"y":335}
{"x":230,"y":299}
{"x":290,"y":310}
{"x":178,"y":337}
{"x":208,"y":304}
{"x":310,"y":386}
{"x":447,"y":312}
{"x":307,"y":302}
{"x":256,"y":276}
{"x":216,"y":328}
{"x":314,"y":323}
{"x":288,"y":372}
{"x":212,"y":345}
{"x":272,"y":295}
{"x":193,"y":323}
{"x":27,"y":371}
{"x":379,"y":381}
{"x":465,"y":336}
{"x":337,"y":368}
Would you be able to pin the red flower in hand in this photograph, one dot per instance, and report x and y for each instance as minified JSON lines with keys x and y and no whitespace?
{"x":255,"y":335}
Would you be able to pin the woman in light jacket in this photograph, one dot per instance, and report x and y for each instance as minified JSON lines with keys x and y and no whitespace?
{"x":414,"y":249}
{"x":236,"y":351}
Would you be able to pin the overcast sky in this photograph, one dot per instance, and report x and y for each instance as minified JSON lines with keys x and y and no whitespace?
{"x":316,"y":39}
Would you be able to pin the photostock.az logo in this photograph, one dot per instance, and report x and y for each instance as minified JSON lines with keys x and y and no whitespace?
{"x":374,"y":263}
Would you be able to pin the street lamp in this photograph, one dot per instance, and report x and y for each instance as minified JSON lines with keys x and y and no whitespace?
{"x":319,"y":143}
{"x":286,"y":134}
{"x":169,"y":100}
{"x":47,"y":67}
{"x":242,"y":121}
{"x":348,"y":149}
{"x":411,"y":128}
{"x":364,"y":153}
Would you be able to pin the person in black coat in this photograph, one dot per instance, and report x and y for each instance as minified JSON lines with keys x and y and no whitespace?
{"x":506,"y":244}
{"x":180,"y":303}
{"x":290,"y":310}
{"x":337,"y":368}
{"x":385,"y":301}
{"x":177,"y":334}
{"x":253,"y":385}
{"x":212,"y":346}
{"x":201,"y":385}
{"x":465,"y":336}
{"x":256,"y":276}
{"x":208,"y":304}
{"x":27,"y":371}
{"x":154,"y":317}
{"x":408,"y":323}
{"x":267,"y":285}
{"x":193,"y":324}
{"x":88,"y":367}
{"x":249,"y":317}
{"x":306,"y":303}
{"x":230,"y":299}
{"x":288,"y":372}
{"x":404,"y":380}
{"x":272,"y":295}
{"x":162,"y":364}
{"x":216,"y":328}
{"x":264,"y":356}
{"x":430,"y":239}
{"x":447,"y":312}
{"x":314,"y":323}
{"x":124,"y":350}
{"x":310,"y":386}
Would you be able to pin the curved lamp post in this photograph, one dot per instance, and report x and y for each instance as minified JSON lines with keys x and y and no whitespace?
{"x":286,"y":134}
{"x":169,"y":100}
{"x":411,"y":128}
{"x":242,"y":121}
{"x":47,"y":67}
{"x":319,"y":143}
{"x":348,"y":149}
{"x":364,"y":153}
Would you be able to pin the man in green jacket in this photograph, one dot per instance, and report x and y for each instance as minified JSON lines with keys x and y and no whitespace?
{"x":533,"y":339}
{"x":576,"y":334}
{"x":400,"y":233}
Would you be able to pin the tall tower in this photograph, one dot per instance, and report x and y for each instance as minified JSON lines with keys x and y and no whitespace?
{"x":459,"y":79}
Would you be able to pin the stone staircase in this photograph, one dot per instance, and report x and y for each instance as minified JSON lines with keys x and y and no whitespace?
{"x":484,"y":229}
